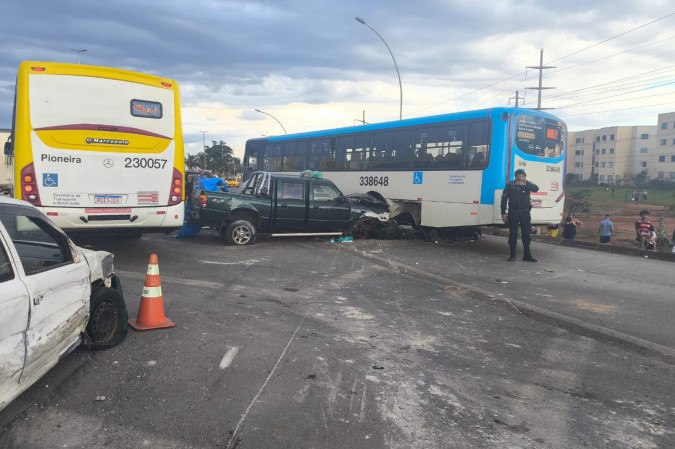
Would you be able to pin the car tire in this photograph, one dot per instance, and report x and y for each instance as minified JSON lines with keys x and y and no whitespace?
{"x":107,"y":324}
{"x":240,"y":232}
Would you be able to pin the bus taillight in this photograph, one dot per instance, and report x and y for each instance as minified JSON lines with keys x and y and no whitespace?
{"x":29,"y":188}
{"x":176,"y":192}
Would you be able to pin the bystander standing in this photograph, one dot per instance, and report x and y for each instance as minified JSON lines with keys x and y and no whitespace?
{"x":605,"y":230}
{"x":645,"y":232}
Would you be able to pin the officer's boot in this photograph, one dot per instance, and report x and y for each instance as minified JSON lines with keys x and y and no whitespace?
{"x":528,"y":255}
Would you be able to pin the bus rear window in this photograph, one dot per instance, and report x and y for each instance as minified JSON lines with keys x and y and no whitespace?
{"x":539,"y":136}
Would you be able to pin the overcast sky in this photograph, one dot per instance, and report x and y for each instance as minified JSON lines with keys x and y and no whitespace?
{"x":312,"y":66}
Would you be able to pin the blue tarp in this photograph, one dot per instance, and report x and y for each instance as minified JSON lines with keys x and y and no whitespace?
{"x":211,"y":184}
{"x":190,"y":229}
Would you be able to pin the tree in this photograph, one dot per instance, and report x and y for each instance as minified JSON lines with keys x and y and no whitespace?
{"x":192,"y":160}
{"x":641,"y":178}
{"x":219,"y":158}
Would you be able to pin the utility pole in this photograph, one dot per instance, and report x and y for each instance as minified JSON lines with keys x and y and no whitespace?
{"x":541,"y":68}
{"x":363,"y":120}
{"x":517,"y":97}
{"x":204,"y":143}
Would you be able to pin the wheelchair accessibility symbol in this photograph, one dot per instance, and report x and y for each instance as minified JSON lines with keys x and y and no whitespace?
{"x":50,"y":179}
{"x":417,"y":177}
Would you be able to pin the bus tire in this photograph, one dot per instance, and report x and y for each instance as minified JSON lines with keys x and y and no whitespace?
{"x":240,"y":233}
{"x":107,"y":324}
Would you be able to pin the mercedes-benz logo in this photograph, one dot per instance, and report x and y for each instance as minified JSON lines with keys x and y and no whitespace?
{"x":108,"y":163}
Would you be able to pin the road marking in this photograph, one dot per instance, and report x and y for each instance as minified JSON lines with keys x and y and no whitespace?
{"x":242,"y":262}
{"x":190,"y":282}
{"x":227,"y":358}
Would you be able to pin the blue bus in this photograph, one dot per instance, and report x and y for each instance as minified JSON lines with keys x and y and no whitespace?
{"x":442,"y":171}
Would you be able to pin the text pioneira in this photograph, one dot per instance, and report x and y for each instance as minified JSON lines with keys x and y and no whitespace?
{"x":64,"y":159}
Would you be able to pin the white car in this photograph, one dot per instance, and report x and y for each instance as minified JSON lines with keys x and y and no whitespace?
{"x":54,"y":296}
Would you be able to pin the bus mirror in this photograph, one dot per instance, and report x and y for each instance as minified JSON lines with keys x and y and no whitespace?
{"x":8,"y":148}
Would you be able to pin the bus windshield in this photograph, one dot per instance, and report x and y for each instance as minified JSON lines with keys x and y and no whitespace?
{"x":538,"y":136}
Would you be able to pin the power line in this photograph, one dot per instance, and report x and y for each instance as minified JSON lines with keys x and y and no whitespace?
{"x":616,"y":54}
{"x":612,"y":38}
{"x":607,"y":87}
{"x":563,"y":115}
{"x":595,"y":103}
{"x":617,"y":95}
{"x":559,"y":59}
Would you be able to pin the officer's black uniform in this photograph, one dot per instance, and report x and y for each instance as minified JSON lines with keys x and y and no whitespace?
{"x":519,"y":205}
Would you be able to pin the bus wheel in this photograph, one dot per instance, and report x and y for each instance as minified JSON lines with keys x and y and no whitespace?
{"x":240,"y":232}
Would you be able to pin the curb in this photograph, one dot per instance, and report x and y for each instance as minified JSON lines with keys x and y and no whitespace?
{"x":592,"y":246}
{"x":563,"y":321}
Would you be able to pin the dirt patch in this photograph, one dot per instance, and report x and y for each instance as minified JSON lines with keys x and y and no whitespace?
{"x":624,"y":222}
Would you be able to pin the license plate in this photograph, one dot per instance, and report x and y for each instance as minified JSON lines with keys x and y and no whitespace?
{"x":108,"y":199}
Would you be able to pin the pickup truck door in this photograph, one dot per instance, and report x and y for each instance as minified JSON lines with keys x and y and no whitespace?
{"x":328,"y":209}
{"x":13,"y":322}
{"x":290,"y":208}
{"x":57,"y":280}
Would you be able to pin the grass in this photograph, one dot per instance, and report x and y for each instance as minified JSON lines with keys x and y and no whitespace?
{"x":601,"y":197}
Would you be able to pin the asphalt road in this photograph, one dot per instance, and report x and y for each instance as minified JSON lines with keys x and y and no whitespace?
{"x":300,"y":343}
{"x":631,"y":295}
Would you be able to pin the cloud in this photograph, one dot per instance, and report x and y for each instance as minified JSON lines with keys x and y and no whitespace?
{"x":313,"y":66}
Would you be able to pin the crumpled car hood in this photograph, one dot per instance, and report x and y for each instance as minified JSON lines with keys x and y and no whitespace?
{"x":367,"y":201}
{"x":100,"y":263}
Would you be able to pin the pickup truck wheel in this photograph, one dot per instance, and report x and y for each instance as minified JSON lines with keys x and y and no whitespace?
{"x":240,"y":232}
{"x":107,"y":324}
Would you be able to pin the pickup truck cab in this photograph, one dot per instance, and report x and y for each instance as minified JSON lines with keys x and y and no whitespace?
{"x":275,"y":203}
{"x":54,"y":296}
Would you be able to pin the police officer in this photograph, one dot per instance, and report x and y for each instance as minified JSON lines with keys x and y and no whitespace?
{"x":517,"y":195}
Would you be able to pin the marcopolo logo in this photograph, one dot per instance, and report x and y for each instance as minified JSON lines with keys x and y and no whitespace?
{"x":96,"y":140}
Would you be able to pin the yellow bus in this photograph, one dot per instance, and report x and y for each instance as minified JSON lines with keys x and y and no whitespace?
{"x":98,"y":148}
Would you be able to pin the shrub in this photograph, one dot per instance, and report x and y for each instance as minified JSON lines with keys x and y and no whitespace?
{"x":578,"y":201}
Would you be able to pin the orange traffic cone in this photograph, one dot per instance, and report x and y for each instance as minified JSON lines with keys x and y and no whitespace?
{"x":151,"y":309}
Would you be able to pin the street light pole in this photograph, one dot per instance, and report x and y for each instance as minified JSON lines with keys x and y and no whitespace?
{"x":263,"y":112}
{"x":78,"y":53}
{"x":400,"y":86}
{"x":204,"y":147}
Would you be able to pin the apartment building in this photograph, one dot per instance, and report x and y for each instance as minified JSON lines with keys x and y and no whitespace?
{"x":580,"y":148}
{"x":662,"y":163}
{"x":616,"y":152}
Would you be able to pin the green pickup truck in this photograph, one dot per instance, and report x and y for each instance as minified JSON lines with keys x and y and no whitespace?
{"x":286,"y":205}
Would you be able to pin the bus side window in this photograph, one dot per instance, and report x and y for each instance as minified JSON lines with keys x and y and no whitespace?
{"x":479,"y":145}
{"x":425,"y":143}
{"x":452,"y":138}
{"x":346,"y":156}
{"x":401,"y":157}
{"x":381,"y":150}
{"x":273,"y":158}
{"x":362,"y":145}
{"x":293,"y":156}
{"x":321,"y":154}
